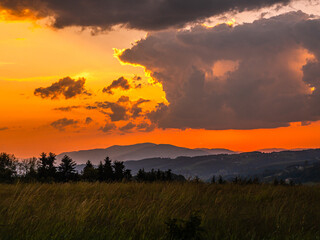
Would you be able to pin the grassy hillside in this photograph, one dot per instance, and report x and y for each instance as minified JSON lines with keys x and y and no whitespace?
{"x":139,"y":210}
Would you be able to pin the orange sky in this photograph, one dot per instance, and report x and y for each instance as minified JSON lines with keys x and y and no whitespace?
{"x":34,"y":55}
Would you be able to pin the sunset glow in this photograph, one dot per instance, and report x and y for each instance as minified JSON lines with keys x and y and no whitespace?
{"x":35,"y":55}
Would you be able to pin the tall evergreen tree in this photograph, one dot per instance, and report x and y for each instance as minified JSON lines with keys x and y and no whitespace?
{"x":107,"y":170}
{"x":118,"y":170}
{"x":141,"y":175}
{"x":101,"y":176}
{"x":46,"y":169}
{"x":89,"y":173}
{"x":67,"y":169}
{"x":127,"y":175}
{"x":7,"y":167}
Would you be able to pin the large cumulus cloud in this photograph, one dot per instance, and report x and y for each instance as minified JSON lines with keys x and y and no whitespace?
{"x":273,"y":79}
{"x":141,"y":14}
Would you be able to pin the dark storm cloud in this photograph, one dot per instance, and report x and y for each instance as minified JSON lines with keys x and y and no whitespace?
{"x":61,"y":124}
{"x":66,"y":87}
{"x":141,"y":14}
{"x":263,"y":89}
{"x":3,"y":128}
{"x":119,"y":83}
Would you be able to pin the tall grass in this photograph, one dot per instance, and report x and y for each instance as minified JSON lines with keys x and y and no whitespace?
{"x":140,"y":210}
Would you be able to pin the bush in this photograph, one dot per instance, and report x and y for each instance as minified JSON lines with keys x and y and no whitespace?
{"x":190,"y":229}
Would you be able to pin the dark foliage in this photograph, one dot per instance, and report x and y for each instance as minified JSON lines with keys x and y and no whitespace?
{"x":89,"y":173}
{"x":47,"y":170}
{"x":153,"y":176}
{"x":67,"y":170}
{"x":190,"y":229}
{"x":7,"y":167}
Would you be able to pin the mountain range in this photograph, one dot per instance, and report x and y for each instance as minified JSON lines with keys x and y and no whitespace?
{"x":205,"y":163}
{"x":229,"y":165}
{"x":138,"y":152}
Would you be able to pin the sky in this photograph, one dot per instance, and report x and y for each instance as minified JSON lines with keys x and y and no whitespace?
{"x":206,"y":73}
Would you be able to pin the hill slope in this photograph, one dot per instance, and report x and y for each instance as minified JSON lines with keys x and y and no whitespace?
{"x":139,"y":151}
{"x":243,"y":164}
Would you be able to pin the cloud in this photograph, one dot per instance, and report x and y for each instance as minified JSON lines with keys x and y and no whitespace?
{"x":61,"y":124}
{"x":66,"y":109}
{"x":3,"y":128}
{"x":89,"y":120}
{"x":126,"y":128}
{"x":145,"y":127}
{"x":272,"y":77}
{"x":120,"y":83}
{"x":108,"y":127}
{"x":136,"y":110}
{"x":121,"y":110}
{"x":66,"y":87}
{"x":118,"y":111}
{"x":144,"y":14}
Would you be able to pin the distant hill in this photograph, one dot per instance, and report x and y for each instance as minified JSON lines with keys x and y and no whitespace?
{"x":243,"y":164}
{"x":138,"y":152}
{"x":301,"y":173}
{"x":270,"y":150}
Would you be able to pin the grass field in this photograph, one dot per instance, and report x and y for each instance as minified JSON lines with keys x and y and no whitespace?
{"x":140,"y":210}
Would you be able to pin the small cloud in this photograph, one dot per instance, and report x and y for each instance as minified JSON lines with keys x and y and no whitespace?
{"x":127,"y":127}
{"x":61,"y":124}
{"x":123,"y":99}
{"x":145,"y":127}
{"x":137,"y":78}
{"x":120,"y":83}
{"x":3,"y":128}
{"x":67,"y":87}
{"x":89,"y":120}
{"x":108,"y":127}
{"x":136,"y":110}
{"x":122,"y":109}
{"x":66,"y":109}
{"x":305,"y":123}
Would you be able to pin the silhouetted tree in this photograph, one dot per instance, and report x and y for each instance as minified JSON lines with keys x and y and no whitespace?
{"x":28,"y":169}
{"x":220,"y":180}
{"x":168,"y":175}
{"x":127,"y":175}
{"x":118,"y":170}
{"x":47,"y":170}
{"x":196,"y":179}
{"x":213,"y":179}
{"x":141,"y":175}
{"x":7,"y":167}
{"x":89,"y":173}
{"x":107,"y":170}
{"x":100,"y":171}
{"x":67,"y":170}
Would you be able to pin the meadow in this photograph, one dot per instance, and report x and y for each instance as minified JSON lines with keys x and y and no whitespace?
{"x":140,"y":210}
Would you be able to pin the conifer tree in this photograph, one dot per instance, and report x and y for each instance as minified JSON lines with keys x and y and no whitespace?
{"x":118,"y":170}
{"x":89,"y":173}
{"x":67,"y":169}
{"x":107,"y":170}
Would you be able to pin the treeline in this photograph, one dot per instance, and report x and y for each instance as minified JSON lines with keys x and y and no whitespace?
{"x":44,"y":169}
{"x":248,"y":181}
